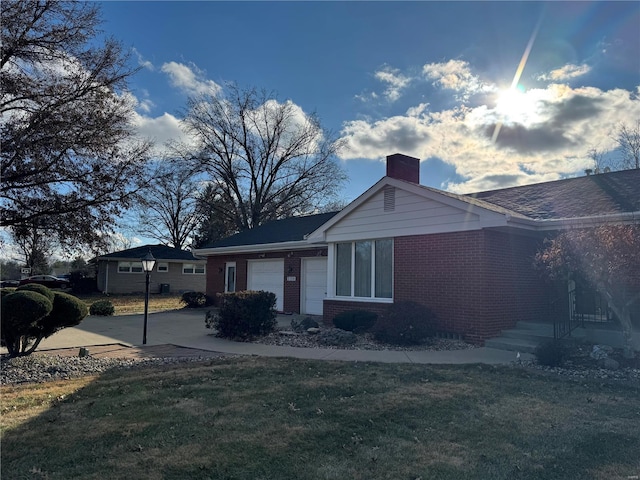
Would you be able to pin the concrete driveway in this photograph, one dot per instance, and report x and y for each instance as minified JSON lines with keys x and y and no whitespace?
{"x":179,"y":327}
{"x":186,"y":328}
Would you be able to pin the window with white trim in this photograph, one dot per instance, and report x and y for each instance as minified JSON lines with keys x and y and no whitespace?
{"x":192,"y":269}
{"x":163,"y":267}
{"x":364,"y":269}
{"x":129,"y":267}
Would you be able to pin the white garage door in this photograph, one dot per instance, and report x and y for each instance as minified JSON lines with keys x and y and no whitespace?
{"x":267,"y":275}
{"x":314,"y":284}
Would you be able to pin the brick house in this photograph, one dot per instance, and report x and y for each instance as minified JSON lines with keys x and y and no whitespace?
{"x":467,"y":257}
{"x":175,"y":271}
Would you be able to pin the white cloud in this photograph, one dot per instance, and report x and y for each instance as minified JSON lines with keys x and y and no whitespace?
{"x":395,"y":81}
{"x":418,"y":110}
{"x":142,"y":62}
{"x":161,"y":130}
{"x":544,"y":137}
{"x":456,"y":75}
{"x":566,"y":72}
{"x":190,"y":79}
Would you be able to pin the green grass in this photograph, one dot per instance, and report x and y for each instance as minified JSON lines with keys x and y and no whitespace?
{"x":134,"y":303}
{"x":259,"y":418}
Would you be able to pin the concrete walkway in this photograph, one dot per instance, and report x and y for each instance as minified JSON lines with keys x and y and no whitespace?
{"x":185,"y":328}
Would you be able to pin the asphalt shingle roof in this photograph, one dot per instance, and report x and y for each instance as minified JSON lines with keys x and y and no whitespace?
{"x":599,"y":194}
{"x":286,"y":230}
{"x":160,"y":252}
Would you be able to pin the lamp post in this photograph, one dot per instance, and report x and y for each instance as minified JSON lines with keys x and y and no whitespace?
{"x":148,"y":262}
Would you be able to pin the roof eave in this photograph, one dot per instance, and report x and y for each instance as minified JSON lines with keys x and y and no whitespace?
{"x":575,"y":222}
{"x":256,"y":248}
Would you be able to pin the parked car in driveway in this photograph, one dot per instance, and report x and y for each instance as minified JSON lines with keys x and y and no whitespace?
{"x":47,"y":280}
{"x":9,"y":283}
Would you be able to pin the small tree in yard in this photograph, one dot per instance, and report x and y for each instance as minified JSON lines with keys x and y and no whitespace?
{"x":608,"y":257}
{"x":31,"y":314}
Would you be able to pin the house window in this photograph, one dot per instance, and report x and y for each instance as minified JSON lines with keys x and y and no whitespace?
{"x":163,"y":267}
{"x":191,"y":268}
{"x":129,"y":267}
{"x":364,"y":269}
{"x":230,"y":277}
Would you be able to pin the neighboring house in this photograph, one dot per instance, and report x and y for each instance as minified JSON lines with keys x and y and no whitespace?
{"x":175,"y":271}
{"x":467,"y":257}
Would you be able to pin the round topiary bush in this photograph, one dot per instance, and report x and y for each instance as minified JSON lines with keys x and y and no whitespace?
{"x":103,"y":308}
{"x":357,"y":321}
{"x":68,"y":311}
{"x":23,"y":308}
{"x":36,"y":287}
{"x":20,"y":317}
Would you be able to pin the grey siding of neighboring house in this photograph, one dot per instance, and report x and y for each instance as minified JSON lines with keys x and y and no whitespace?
{"x":115,"y":282}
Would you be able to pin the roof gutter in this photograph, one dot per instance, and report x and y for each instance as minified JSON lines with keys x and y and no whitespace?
{"x":259,"y":248}
{"x":577,"y":222}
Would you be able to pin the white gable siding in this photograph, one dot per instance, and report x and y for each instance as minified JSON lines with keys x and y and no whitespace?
{"x":412,"y":215}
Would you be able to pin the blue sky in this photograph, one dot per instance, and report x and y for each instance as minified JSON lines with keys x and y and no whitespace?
{"x":427,"y":79}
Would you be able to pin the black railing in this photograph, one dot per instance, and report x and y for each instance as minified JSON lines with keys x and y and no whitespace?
{"x":564,"y":319}
{"x":582,"y":307}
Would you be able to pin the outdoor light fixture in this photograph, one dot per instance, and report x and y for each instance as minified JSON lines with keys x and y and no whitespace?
{"x":148,"y":262}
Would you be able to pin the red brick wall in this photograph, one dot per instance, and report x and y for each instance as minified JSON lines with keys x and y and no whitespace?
{"x":292,"y":268}
{"x":330,"y":308}
{"x":445,"y":273}
{"x":477,"y":283}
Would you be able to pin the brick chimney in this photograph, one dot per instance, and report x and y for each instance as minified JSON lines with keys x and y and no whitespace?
{"x":403,"y":167}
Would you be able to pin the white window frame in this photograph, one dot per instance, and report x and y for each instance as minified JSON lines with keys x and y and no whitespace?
{"x":227,"y":266}
{"x":332,"y":273}
{"x":130,"y":267}
{"x":196,"y":269}
{"x":163,"y":267}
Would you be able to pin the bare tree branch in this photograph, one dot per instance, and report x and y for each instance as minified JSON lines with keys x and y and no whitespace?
{"x":270,"y":159}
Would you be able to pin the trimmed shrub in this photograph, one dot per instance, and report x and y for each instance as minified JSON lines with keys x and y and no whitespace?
{"x":36,"y":287}
{"x":21,"y":313}
{"x":103,"y":308}
{"x":356,"y":321}
{"x":68,"y":311}
{"x":244,"y":315}
{"x":195,"y":300}
{"x":405,"y":323}
{"x":28,"y":317}
{"x":6,"y":291}
{"x":552,"y":353}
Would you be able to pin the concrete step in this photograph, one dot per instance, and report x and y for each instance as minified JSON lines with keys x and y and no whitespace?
{"x":541,"y":328}
{"x":512,"y":344}
{"x":524,"y":334}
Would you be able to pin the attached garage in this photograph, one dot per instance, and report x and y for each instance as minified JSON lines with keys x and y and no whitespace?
{"x":267,"y":275}
{"x":314,"y":285}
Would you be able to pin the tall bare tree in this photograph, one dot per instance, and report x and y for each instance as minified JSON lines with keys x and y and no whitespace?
{"x":69,"y":151}
{"x":212,"y":226}
{"x":168,"y":208}
{"x":628,"y":139}
{"x":35,"y":245}
{"x":269,"y":159}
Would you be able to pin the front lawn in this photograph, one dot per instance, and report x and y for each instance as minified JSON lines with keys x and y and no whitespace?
{"x":266,"y":418}
{"x":134,"y":303}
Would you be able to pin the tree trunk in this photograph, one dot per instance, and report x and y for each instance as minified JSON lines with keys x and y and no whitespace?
{"x":623,"y":312}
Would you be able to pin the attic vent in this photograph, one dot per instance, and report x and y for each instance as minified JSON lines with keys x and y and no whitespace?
{"x":389,"y":199}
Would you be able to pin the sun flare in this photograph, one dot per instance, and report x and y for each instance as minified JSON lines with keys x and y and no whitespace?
{"x":514,"y":105}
